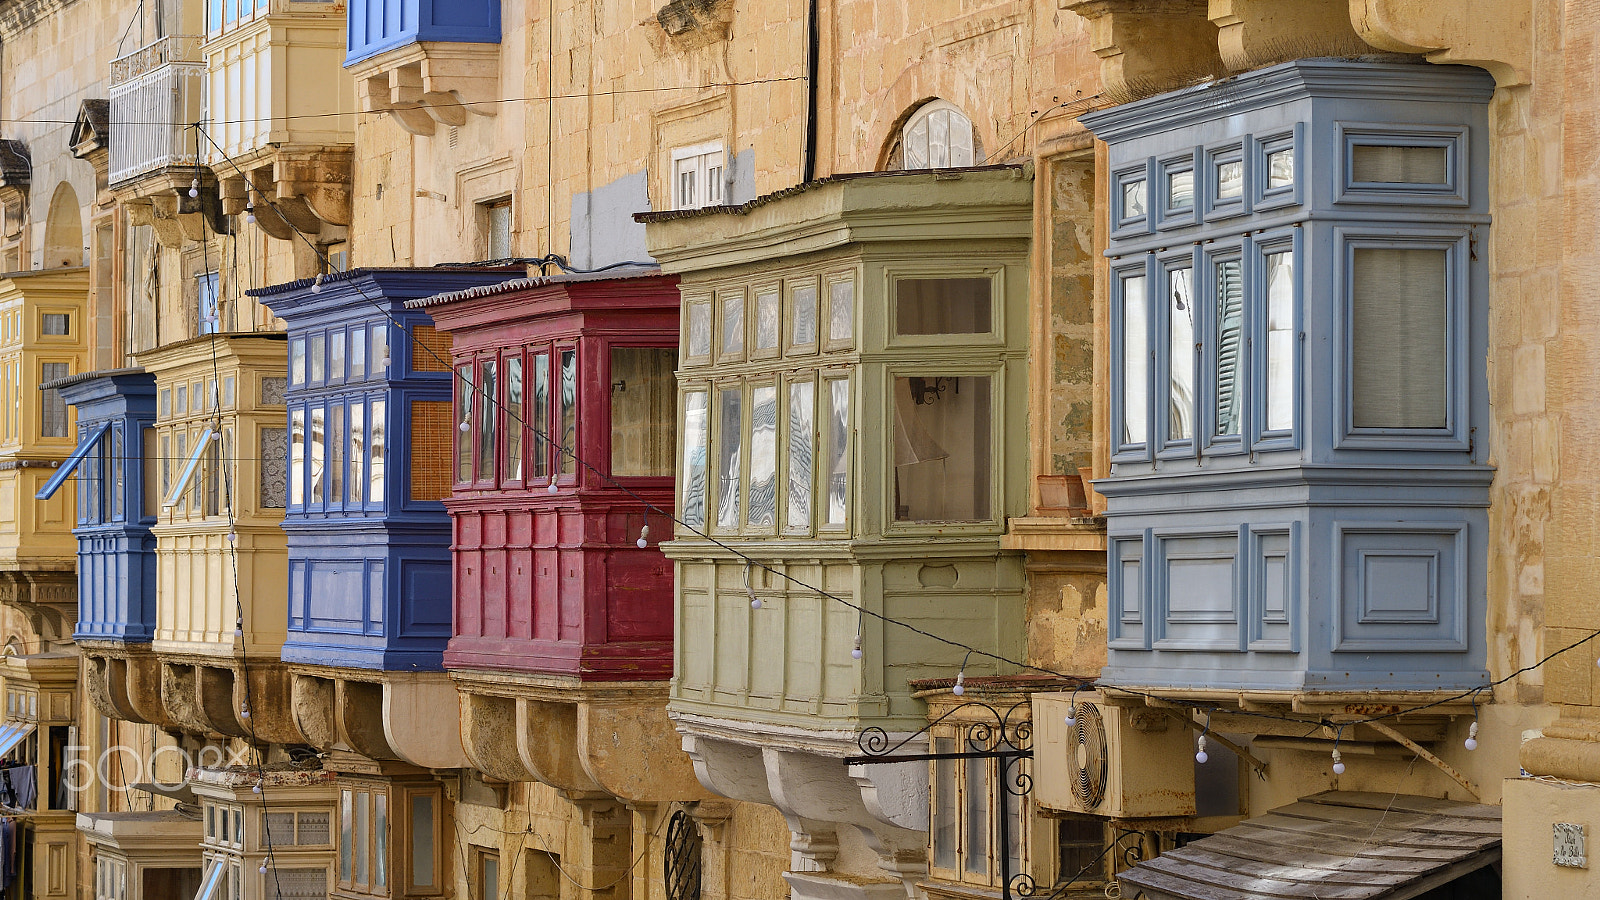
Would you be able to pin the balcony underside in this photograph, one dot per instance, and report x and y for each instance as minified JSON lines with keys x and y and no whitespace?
{"x":611,"y":738}
{"x":382,"y":716}
{"x":290,"y":189}
{"x":430,"y":83}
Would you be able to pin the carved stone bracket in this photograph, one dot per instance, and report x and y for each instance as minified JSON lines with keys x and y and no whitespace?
{"x":124,"y":682}
{"x":693,"y":23}
{"x":427,"y":84}
{"x":226,"y":698}
{"x":394,"y":718}
{"x":1147,"y":47}
{"x":1253,"y":34}
{"x":48,"y":599}
{"x":290,"y":189}
{"x":1494,"y":34}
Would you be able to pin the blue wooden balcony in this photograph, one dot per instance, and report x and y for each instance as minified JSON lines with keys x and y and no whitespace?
{"x":376,"y":26}
{"x":370,"y":432}
{"x":116,"y":551}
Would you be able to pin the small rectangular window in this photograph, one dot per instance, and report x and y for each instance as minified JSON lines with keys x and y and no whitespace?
{"x":1229,"y":313}
{"x":1376,"y":164}
{"x":53,"y":420}
{"x":802,"y":443}
{"x":336,"y":454}
{"x":976,"y":797}
{"x":380,"y":840}
{"x":361,"y":837}
{"x":464,"y":399}
{"x":567,"y":404}
{"x":380,"y":352}
{"x":422,"y":840}
{"x":318,"y":351}
{"x":1134,"y":205}
{"x":841,"y":311}
{"x":336,"y":355}
{"x":1280,"y":169}
{"x":539,"y":416}
{"x":335,"y":257}
{"x":1135,"y":361}
{"x":762,"y":498}
{"x":375,"y":443}
{"x":1180,"y":355}
{"x":732,"y":323}
{"x":942,"y":460}
{"x":209,"y":311}
{"x":730,"y":428}
{"x":358,"y":353}
{"x":1400,"y":339}
{"x":272,"y":448}
{"x":692,"y":506}
{"x":516,"y":419}
{"x":358,"y":451}
{"x":943,"y":305}
{"x":836,"y":462}
{"x":643,"y":430}
{"x":1230,"y":179}
{"x":697,"y":177}
{"x":488,"y":402}
{"x":315,"y":452}
{"x":347,"y":821}
{"x":1180,"y":189}
{"x":297,"y":458}
{"x":946,"y":812}
{"x":497,"y":229}
{"x":297,"y":361}
{"x":56,"y":324}
{"x":1280,"y":341}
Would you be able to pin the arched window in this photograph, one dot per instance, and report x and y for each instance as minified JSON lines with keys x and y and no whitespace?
{"x":63,"y":233}
{"x":937,"y":136}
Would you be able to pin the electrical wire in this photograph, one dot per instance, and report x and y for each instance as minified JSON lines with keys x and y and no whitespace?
{"x":257,"y":120}
{"x":539,"y":435}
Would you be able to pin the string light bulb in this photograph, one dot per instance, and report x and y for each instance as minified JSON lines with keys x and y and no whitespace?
{"x":755,"y":602}
{"x":1200,"y":751}
{"x":553,"y":488}
{"x":194,"y":189}
{"x":316,"y":285}
{"x":855,"y":652}
{"x":961,"y":683}
{"x":1072,"y":715}
{"x":1338,"y":762}
{"x":256,"y":787}
{"x":263,"y":869}
{"x":250,"y":213}
{"x":244,"y":712}
{"x":644,"y":537}
{"x":1472,"y":736}
{"x":465,"y":426}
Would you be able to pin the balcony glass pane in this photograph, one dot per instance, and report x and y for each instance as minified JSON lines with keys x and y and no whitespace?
{"x":1280,"y":341}
{"x":1400,"y":339}
{"x":336,"y":454}
{"x":336,"y":355}
{"x":841,"y":311}
{"x":733,"y":325}
{"x":568,"y":463}
{"x":432,"y":432}
{"x":729,"y":431}
{"x":361,"y":837}
{"x":763,"y":496}
{"x":802,"y":454}
{"x":358,"y":452}
{"x":316,"y":453}
{"x":942,"y":461}
{"x":380,"y":840}
{"x":297,"y":362}
{"x":488,"y":398}
{"x":767,"y":315}
{"x":539,"y":416}
{"x":464,"y":398}
{"x":1399,"y":165}
{"x":643,"y":424}
{"x":1135,"y":361}
{"x":1230,"y":347}
{"x":942,"y":305}
{"x":1180,"y":190}
{"x":836,"y":465}
{"x":53,"y":421}
{"x":117,"y":450}
{"x":516,"y":419}
{"x":1280,"y":169}
{"x":1230,"y":179}
{"x":422,"y":825}
{"x":1133,"y":199}
{"x":803,"y":316}
{"x":346,"y":837}
{"x":1180,"y":350}
{"x":376,"y":441}
{"x":975,"y":817}
{"x":358,"y":353}
{"x":380,"y":350}
{"x":946,"y":815}
{"x":319,"y":357}
{"x":699,"y":315}
{"x":692,"y":506}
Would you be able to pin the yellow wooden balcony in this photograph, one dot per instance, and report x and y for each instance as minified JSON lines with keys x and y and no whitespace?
{"x":218,"y":453}
{"x":42,"y":338}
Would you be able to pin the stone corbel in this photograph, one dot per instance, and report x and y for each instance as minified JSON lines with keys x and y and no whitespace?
{"x":711,"y":817}
{"x":1253,"y":34}
{"x":1496,"y":35}
{"x":321,"y":178}
{"x":411,"y":713}
{"x":263,"y":689}
{"x":311,"y":702}
{"x":198,"y":699}
{"x":433,"y":83}
{"x":489,"y":736}
{"x":160,"y":212}
{"x":358,"y":711}
{"x":1147,"y":47}
{"x":694,"y":23}
{"x":547,"y":744}
{"x":631,"y":750}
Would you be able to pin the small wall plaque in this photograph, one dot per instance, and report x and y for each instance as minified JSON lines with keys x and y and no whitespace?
{"x":1569,"y":843}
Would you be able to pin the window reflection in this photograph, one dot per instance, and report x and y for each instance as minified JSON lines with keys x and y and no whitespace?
{"x":693,"y":504}
{"x":802,"y":443}
{"x":516,"y":419}
{"x":1280,"y":341}
{"x":729,"y":422}
{"x":297,"y":458}
{"x":464,"y":396}
{"x":315,"y":447}
{"x":763,"y":497}
{"x":540,"y":416}
{"x":379,"y":426}
{"x":836,"y":465}
{"x":568,"y":463}
{"x":1135,"y":361}
{"x":358,"y":452}
{"x":1180,"y":377}
{"x":1230,"y":341}
{"x":488,"y":414}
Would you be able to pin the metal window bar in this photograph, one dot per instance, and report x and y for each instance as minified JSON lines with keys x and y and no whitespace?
{"x":72,"y":462}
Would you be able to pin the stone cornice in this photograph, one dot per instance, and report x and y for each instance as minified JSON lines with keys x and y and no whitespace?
{"x":17,"y":16}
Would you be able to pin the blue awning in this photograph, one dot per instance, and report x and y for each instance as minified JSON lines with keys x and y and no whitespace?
{"x":71,"y":464}
{"x":13,"y":733}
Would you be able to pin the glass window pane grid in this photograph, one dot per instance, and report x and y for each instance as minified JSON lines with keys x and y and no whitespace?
{"x":567,"y":414}
{"x":643,"y":421}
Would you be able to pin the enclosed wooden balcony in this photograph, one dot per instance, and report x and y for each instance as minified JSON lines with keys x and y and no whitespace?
{"x":157,"y":95}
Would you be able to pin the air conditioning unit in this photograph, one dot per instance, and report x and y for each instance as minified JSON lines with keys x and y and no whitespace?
{"x":1124,"y":763}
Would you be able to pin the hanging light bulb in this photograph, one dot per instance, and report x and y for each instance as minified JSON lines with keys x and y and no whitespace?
{"x":316,"y":286}
{"x":855,"y":652}
{"x":553,"y":488}
{"x":961,"y":683}
{"x":1200,"y":751}
{"x":1072,"y":715}
{"x":464,"y":426}
{"x":644,"y":537}
{"x":256,"y":787}
{"x":755,"y":602}
{"x":244,"y":712}
{"x":232,"y":537}
{"x":1338,"y":762}
{"x":194,"y":188}
{"x":250,"y":213}
{"x":1472,"y":736}
{"x":263,"y":869}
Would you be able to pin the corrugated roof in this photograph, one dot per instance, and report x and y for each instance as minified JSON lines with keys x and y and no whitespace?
{"x":332,"y":278}
{"x":620,"y":273}
{"x":70,"y":380}
{"x":1337,"y":845}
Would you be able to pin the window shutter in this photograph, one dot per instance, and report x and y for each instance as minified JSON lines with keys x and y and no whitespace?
{"x":1230,"y":331}
{"x":1400,"y":339}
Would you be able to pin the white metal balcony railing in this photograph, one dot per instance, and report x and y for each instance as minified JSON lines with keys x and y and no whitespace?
{"x":156,"y":93}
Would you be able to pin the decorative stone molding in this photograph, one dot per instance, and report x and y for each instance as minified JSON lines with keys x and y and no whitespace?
{"x":1148,"y":47}
{"x":694,"y":23}
{"x":431,"y":83}
{"x":204,"y":698}
{"x":19,"y":15}
{"x":383,"y":715}
{"x":290,"y":189}
{"x":48,"y":599}
{"x":1493,"y":34}
{"x":1254,"y":34}
{"x":124,"y":682}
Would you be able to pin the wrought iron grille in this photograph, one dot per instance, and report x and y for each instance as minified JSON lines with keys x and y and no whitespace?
{"x":682,"y":858}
